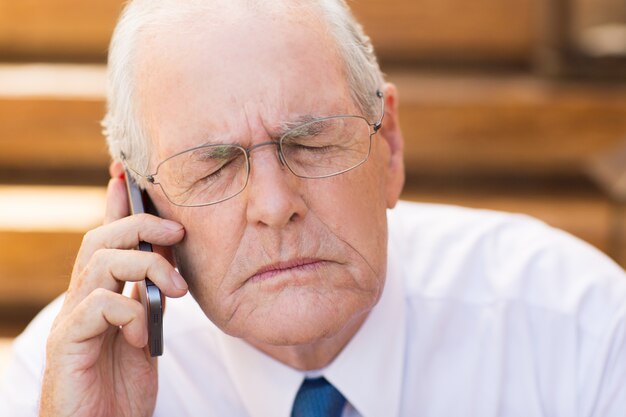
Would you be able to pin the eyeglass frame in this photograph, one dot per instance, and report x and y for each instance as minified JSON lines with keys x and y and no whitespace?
{"x":375,"y":127}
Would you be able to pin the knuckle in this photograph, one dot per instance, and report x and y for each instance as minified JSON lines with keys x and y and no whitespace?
{"x":130,"y":232}
{"x":100,"y":257}
{"x":92,"y":270}
{"x":156,"y":264}
{"x":90,"y":237}
{"x":99,"y":295}
{"x":158,"y":261}
{"x":144,"y":217}
{"x":140,"y":220}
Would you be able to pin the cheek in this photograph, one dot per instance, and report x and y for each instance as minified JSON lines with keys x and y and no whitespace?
{"x":355,"y":212}
{"x":206,"y":254}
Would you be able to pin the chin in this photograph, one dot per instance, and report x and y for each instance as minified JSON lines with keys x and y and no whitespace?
{"x":302,"y":320}
{"x":298,"y":332}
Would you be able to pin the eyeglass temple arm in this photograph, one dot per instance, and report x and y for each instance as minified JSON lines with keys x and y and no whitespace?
{"x":376,"y":126}
{"x":149,"y":178}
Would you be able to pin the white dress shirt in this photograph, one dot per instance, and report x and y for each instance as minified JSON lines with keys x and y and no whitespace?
{"x":483,"y":314}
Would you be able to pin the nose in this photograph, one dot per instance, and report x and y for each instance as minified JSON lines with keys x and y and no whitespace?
{"x":274,"y":194}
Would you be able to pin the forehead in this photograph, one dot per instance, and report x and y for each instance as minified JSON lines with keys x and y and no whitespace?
{"x":236,"y":76}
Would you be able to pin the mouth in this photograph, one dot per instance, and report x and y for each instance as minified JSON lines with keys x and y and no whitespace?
{"x":296,"y":265}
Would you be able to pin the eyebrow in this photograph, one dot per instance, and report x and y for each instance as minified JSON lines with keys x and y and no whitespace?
{"x":274,"y":133}
{"x":218,"y":150}
{"x":286,"y":126}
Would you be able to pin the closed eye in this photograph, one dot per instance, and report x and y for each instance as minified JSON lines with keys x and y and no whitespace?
{"x":310,"y":148}
{"x":229,"y":168}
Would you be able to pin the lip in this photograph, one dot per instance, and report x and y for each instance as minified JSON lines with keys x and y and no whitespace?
{"x":271,"y":270}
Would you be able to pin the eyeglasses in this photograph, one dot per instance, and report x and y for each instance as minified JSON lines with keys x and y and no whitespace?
{"x":210,"y":174}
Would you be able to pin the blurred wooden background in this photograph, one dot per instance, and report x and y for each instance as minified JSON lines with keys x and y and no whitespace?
{"x":485,"y":127}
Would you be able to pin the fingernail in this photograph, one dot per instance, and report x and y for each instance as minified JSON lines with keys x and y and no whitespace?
{"x":171,"y":225}
{"x":179,"y":281}
{"x":122,"y":175}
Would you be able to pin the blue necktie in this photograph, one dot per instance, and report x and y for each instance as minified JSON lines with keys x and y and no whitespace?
{"x":317,"y":398}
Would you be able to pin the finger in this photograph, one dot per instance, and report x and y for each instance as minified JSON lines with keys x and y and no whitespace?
{"x":111,"y":268}
{"x":103,"y":309}
{"x":126,"y":233}
{"x":116,"y":200}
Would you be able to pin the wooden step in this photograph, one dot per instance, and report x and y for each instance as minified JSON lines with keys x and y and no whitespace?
{"x":402,"y":30}
{"x":453,"y":31}
{"x":460,"y":125}
{"x":60,"y":30}
{"x":35,"y":266}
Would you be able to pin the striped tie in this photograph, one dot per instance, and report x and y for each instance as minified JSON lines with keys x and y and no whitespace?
{"x":318,"y":398}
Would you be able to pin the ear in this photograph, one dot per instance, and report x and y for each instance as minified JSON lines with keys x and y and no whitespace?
{"x":116,"y":169}
{"x":391,"y":133}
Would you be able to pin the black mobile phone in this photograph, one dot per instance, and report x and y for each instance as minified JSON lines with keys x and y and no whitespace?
{"x":149,"y":294}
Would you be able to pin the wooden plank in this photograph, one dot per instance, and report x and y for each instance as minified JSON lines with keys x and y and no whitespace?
{"x":57,"y":30}
{"x":449,"y":30}
{"x":51,"y":133}
{"x":456,"y":30}
{"x":35,"y":266}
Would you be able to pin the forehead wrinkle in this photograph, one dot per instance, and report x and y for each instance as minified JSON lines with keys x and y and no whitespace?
{"x":249,"y":124}
{"x":274,"y":133}
{"x":245,"y":139}
{"x":223,"y":135}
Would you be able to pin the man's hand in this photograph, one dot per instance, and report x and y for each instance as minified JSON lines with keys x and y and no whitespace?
{"x":97,"y":361}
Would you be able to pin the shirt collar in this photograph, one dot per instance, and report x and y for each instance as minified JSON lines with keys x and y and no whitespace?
{"x":265,"y":386}
{"x":371,"y":363}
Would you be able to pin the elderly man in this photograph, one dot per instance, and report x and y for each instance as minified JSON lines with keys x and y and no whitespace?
{"x":269,"y":144}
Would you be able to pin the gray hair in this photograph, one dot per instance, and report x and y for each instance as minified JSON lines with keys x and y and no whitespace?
{"x":124,"y":132}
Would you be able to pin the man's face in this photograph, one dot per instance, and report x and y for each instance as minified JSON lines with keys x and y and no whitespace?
{"x":289,"y":260}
